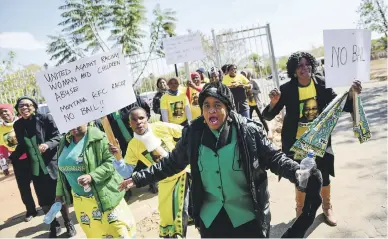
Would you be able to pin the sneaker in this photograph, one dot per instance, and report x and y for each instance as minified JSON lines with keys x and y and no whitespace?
{"x":70,"y":229}
{"x":29,"y":216}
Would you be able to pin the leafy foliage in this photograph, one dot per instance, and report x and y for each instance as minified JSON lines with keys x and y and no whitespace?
{"x":373,"y":15}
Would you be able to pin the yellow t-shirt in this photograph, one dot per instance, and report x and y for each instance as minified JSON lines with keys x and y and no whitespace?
{"x":194,"y":96}
{"x":308,"y":107}
{"x":168,"y":133}
{"x":7,"y":136}
{"x":252,"y":102}
{"x":238,"y":79}
{"x":205,"y":80}
{"x":175,"y":106}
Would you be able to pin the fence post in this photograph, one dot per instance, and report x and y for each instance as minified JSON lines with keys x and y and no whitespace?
{"x":218,"y":56}
{"x":272,"y":55}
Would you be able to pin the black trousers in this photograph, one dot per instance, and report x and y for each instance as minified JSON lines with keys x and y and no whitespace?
{"x":45,"y":188}
{"x":222,"y":227}
{"x":23,"y":175}
{"x":262,"y":120}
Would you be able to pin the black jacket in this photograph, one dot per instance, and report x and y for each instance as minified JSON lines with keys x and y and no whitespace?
{"x":290,"y":99}
{"x":156,"y":102}
{"x":257,"y":154}
{"x":46,"y":133}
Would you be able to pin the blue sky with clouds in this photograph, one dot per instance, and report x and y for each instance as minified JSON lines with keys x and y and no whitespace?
{"x":295,"y":24}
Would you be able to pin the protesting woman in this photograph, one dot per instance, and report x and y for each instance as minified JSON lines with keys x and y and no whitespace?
{"x":21,"y":166}
{"x":38,"y":136}
{"x":162,"y":88}
{"x":174,"y":105}
{"x":238,"y":84}
{"x":229,"y":155}
{"x":194,"y":86}
{"x":150,"y":144}
{"x":305,"y":96}
{"x":88,"y":180}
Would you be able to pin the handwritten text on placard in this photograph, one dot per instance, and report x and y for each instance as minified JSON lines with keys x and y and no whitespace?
{"x":347,"y":56}
{"x":183,"y":48}
{"x":85,"y":90}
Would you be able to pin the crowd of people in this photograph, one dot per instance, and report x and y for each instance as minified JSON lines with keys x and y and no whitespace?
{"x":206,"y":158}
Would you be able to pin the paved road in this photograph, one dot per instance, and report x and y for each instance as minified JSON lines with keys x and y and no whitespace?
{"x":359,"y":189}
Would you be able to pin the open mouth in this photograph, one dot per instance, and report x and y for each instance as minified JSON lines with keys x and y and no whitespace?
{"x":213,"y":120}
{"x":25,"y":111}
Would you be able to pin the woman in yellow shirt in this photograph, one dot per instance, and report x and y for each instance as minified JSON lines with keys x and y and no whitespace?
{"x":152,"y":142}
{"x":193,"y":88}
{"x":174,"y":105}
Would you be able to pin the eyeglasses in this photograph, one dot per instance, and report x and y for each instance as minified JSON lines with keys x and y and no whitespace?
{"x":24,"y":105}
{"x":303,"y":65}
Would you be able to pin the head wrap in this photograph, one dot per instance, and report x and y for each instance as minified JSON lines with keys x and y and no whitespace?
{"x":218,"y":91}
{"x":194,"y":75}
{"x":214,"y":70}
{"x":6,"y":107}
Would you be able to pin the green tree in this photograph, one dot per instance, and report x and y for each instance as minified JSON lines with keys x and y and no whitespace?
{"x":373,"y":15}
{"x":127,"y":18}
{"x":7,"y":64}
{"x":63,"y":50}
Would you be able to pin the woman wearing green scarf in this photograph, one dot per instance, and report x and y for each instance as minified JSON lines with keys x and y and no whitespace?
{"x":38,"y":136}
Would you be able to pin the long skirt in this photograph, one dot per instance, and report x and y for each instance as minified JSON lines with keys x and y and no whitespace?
{"x":115,"y":223}
{"x":173,"y":206}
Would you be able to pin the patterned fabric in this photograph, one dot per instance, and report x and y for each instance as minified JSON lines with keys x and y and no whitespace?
{"x":317,"y":136}
{"x":362,"y":131}
{"x":115,"y":223}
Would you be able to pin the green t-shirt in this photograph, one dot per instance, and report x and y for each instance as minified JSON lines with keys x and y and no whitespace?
{"x":71,"y":163}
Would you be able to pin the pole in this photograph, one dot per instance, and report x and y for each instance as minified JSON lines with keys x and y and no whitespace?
{"x":187,"y":69}
{"x":217,"y":49}
{"x":176,"y":70}
{"x":272,"y":55}
{"x":110,"y":135}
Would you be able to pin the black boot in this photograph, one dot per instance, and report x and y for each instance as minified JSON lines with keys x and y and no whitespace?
{"x":55,"y":229}
{"x":70,"y":229}
{"x":128,"y":195}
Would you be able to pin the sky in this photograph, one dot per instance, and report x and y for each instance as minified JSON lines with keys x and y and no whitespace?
{"x":295,"y":24}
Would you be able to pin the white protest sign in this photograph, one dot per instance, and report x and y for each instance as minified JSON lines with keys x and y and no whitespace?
{"x":347,"y":56}
{"x":183,"y":48}
{"x":87,"y":89}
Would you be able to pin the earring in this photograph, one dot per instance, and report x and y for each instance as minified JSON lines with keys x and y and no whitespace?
{"x":295,"y":75}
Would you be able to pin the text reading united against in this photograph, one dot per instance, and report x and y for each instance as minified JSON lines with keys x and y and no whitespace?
{"x":347,"y":56}
{"x":85,"y":90}
{"x":183,"y":48}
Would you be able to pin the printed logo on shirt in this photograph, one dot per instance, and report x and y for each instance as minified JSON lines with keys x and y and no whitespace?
{"x":10,"y":139}
{"x":177,"y":108}
{"x":154,"y":156}
{"x":112,"y":216}
{"x":308,"y":110}
{"x":195,"y":98}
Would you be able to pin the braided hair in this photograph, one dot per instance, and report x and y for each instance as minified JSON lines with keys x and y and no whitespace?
{"x":293,"y":62}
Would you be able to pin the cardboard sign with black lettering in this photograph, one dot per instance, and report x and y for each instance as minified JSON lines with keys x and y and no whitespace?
{"x":347,"y":56}
{"x":87,"y":89}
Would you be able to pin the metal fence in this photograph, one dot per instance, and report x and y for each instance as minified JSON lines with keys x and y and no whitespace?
{"x":248,"y":48}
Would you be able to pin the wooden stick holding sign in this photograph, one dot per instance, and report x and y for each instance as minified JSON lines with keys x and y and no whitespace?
{"x":88,"y":89}
{"x":111,"y":137}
